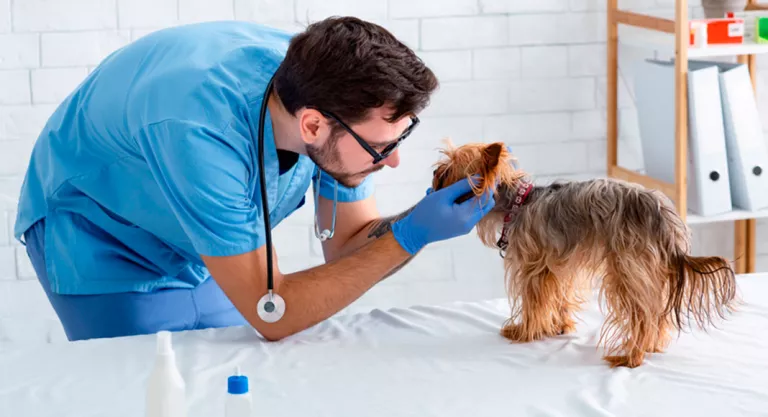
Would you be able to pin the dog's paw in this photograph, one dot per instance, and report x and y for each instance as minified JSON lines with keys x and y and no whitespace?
{"x":569,"y":326}
{"x":521,"y":334}
{"x":661,"y":343}
{"x":514,"y":332}
{"x":625,"y":361}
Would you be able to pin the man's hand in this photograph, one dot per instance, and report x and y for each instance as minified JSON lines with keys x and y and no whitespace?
{"x":438,"y":217}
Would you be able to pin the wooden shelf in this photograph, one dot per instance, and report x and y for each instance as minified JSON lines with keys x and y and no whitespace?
{"x":730,"y":216}
{"x":669,"y":190}
{"x":642,"y":179}
{"x":664,"y":43}
{"x":669,"y":38}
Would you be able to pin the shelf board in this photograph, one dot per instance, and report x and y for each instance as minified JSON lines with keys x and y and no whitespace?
{"x":665,"y":43}
{"x":618,"y":172}
{"x":733,"y":215}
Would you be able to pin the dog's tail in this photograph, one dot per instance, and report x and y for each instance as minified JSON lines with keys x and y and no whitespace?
{"x":700,"y":287}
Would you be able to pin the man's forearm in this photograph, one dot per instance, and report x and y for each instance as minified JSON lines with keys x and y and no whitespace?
{"x":371,"y":231}
{"x":374,"y":230}
{"x":316,"y":294}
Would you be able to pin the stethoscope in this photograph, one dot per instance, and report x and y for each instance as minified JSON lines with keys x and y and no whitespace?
{"x":271,"y":306}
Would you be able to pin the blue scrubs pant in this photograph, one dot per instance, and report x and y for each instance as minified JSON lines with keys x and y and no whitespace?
{"x":132,"y":313}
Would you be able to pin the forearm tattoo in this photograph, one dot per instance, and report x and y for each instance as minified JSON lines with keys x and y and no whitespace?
{"x":381,"y":227}
{"x":384,"y":225}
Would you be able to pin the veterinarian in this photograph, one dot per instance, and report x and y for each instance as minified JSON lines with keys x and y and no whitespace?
{"x":141,"y":206}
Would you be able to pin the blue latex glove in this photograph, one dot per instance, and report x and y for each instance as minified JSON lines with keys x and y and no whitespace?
{"x":437,"y":217}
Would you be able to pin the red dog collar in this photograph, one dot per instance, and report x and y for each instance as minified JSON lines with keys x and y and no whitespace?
{"x":520,"y":196}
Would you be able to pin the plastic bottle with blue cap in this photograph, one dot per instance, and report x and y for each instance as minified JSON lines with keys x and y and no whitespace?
{"x":238,"y":402}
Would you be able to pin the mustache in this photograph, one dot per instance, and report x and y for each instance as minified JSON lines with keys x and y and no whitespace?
{"x":374,"y":169}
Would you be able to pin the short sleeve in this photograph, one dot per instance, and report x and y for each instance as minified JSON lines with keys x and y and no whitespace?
{"x":204,"y":175}
{"x":344,"y":194}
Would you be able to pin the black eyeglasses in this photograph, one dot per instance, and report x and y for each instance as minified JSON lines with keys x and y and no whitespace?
{"x":377,"y":156}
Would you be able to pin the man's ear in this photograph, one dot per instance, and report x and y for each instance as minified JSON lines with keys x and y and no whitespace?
{"x":492,"y":155}
{"x":312,"y":125}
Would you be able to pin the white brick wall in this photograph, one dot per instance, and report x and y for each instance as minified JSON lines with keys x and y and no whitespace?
{"x":496,"y":63}
{"x":529,"y":73}
{"x":44,"y":15}
{"x":464,"y":32}
{"x":5,"y":16}
{"x":522,"y":6}
{"x":15,"y":87}
{"x":311,"y":10}
{"x":52,"y":85}
{"x":22,"y":122}
{"x":263,"y":10}
{"x":191,"y":11}
{"x":74,"y":49}
{"x":556,"y":28}
{"x":400,"y":9}
{"x":533,"y":56}
{"x":19,"y":50}
{"x":450,"y":65}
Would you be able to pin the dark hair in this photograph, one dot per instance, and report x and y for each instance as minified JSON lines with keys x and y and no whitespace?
{"x":347,"y":66}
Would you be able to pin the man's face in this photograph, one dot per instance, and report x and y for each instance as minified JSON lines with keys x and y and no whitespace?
{"x":341,"y":156}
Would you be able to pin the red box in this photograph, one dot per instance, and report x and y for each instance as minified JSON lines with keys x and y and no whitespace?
{"x":727,"y":30}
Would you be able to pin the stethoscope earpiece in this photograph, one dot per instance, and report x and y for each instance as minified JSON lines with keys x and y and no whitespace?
{"x":324,"y":235}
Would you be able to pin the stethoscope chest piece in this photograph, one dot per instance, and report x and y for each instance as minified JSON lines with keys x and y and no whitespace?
{"x":271,"y":307}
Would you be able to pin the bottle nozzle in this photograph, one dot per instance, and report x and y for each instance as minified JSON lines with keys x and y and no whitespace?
{"x":164,"y":345}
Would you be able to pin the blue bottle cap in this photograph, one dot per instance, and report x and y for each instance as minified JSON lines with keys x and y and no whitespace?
{"x":237,"y":384}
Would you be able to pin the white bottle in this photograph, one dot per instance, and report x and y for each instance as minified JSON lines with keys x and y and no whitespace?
{"x":166,"y":390}
{"x":701,"y":35}
{"x":238,"y":402}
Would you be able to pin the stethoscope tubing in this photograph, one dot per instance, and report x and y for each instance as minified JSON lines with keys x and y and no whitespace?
{"x":271,"y":307}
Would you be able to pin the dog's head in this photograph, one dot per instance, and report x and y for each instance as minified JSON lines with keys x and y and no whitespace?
{"x":491,"y":162}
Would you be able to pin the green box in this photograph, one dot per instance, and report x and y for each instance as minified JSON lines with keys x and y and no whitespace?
{"x":761,"y":29}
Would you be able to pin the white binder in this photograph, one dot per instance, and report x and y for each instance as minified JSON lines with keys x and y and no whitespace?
{"x":708,"y":173}
{"x":744,"y":138}
{"x":709,"y":186}
{"x":655,"y":103}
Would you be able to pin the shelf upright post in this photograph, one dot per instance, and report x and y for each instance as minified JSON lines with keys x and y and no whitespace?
{"x":612,"y":81}
{"x":682,"y":38}
{"x":744,"y":233}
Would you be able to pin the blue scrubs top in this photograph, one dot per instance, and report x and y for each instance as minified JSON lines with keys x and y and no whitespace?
{"x":153,"y":160}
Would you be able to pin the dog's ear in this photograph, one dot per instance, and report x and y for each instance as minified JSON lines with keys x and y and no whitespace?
{"x":492,"y":155}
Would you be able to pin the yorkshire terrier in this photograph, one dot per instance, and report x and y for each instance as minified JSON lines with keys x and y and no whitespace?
{"x":559,"y":240}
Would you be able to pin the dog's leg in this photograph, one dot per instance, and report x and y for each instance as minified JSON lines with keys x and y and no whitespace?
{"x":633,"y":291}
{"x":573,"y":286}
{"x":567,"y":308}
{"x":541,"y":309}
{"x":663,"y":337}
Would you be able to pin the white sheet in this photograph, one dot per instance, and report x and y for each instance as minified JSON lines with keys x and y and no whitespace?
{"x":423,"y":361}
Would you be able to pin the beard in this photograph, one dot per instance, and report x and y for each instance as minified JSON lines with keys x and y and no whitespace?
{"x":328,"y":156}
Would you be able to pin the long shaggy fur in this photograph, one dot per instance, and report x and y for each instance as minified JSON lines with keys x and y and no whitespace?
{"x":570,"y":237}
